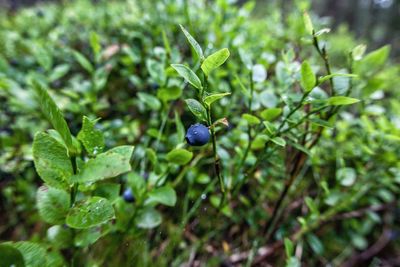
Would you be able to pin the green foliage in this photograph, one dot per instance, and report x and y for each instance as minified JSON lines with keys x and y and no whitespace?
{"x":106,"y":165}
{"x":197,"y":109}
{"x":91,"y":138}
{"x":11,"y":256}
{"x":308,"y":79}
{"x":179,"y":156}
{"x":188,"y":75}
{"x":165,"y":195}
{"x":90,"y":212}
{"x":33,"y":253}
{"x":214,"y":97}
{"x":53,"y":204}
{"x":214,"y":61}
{"x":51,"y":160}
{"x":302,"y":160}
{"x":52,"y":113}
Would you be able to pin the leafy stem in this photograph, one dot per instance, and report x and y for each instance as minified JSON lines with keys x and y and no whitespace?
{"x":324,"y":55}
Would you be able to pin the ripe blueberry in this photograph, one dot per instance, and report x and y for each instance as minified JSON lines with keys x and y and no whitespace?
{"x":128,"y":196}
{"x":197,"y":135}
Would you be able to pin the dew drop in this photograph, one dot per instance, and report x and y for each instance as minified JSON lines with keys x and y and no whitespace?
{"x":203,"y":196}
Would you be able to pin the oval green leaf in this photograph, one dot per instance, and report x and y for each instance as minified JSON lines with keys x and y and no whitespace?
{"x":188,"y":75}
{"x":215,"y":60}
{"x":251,"y":119}
{"x":197,"y":109}
{"x":165,"y":195}
{"x":11,"y":256}
{"x":106,"y":165}
{"x":52,"y":113}
{"x":341,"y":100}
{"x":193,"y":43}
{"x":308,"y":79}
{"x":91,"y":138}
{"x":90,"y":212}
{"x":53,"y":204}
{"x":148,"y":218}
{"x":179,"y":156}
{"x":214,"y":97}
{"x":51,"y":161}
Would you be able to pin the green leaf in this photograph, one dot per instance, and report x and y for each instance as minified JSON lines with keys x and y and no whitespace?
{"x":315,"y":244}
{"x":214,"y":97}
{"x":188,"y":75}
{"x":170,"y":93}
{"x":152,"y":156}
{"x":279,"y":141}
{"x":301,"y":148}
{"x":251,"y":120}
{"x":53,"y":204}
{"x":55,"y":258}
{"x":322,"y":31}
{"x":214,"y":61}
{"x":293,"y":262}
{"x":271,"y":129}
{"x":311,"y":205}
{"x":52,"y":113}
{"x":180,"y":129}
{"x":358,"y":52}
{"x":327,"y":77}
{"x":308,"y":79}
{"x":320,"y":122}
{"x":197,"y":109}
{"x":308,"y":23}
{"x":346,"y":176}
{"x":11,"y":256}
{"x":110,"y":191}
{"x":193,"y":43}
{"x":60,"y":236}
{"x":83,"y":61}
{"x":106,"y":165}
{"x":151,"y":101}
{"x":51,"y":161}
{"x":91,"y":138}
{"x":90,"y":212}
{"x":167,"y":46}
{"x":179,"y":156}
{"x":216,"y":202}
{"x":156,"y":70}
{"x":373,"y":61}
{"x":259,"y":73}
{"x":33,"y":253}
{"x":148,"y":218}
{"x":341,"y":100}
{"x":165,"y":195}
{"x":271,"y":113}
{"x":289,"y":247}
{"x":95,"y":44}
{"x":59,"y":72}
{"x":87,"y":237}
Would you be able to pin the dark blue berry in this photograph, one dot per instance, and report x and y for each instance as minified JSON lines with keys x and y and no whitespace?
{"x":197,"y":135}
{"x":128,"y":196}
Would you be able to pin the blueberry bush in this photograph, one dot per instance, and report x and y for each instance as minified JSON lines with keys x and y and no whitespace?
{"x":195,"y":133}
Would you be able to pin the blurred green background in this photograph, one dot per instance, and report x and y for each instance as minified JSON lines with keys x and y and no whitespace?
{"x":375,"y":21}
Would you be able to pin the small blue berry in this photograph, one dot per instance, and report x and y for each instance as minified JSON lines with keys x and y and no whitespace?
{"x":128,"y":196}
{"x":197,"y":135}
